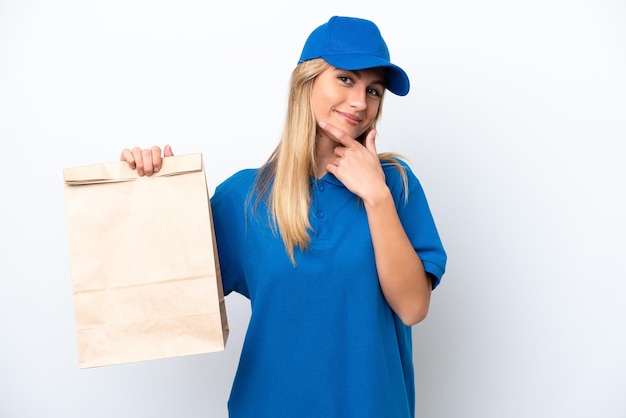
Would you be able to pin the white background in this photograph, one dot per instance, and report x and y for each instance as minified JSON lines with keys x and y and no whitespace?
{"x":515,"y":124}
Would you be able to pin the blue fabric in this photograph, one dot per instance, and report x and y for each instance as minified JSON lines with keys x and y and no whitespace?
{"x":322,"y":341}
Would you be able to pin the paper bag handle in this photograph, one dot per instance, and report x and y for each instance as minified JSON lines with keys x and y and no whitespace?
{"x":120,"y":171}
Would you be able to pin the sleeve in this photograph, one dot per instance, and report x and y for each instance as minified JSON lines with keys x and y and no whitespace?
{"x":228,"y":224}
{"x":418,"y":221}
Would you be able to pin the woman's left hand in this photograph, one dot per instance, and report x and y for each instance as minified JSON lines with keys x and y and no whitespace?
{"x":357,"y":166}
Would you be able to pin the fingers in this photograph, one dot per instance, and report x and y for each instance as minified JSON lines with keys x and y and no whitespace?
{"x":127,"y":156}
{"x":339,"y":135}
{"x":156,"y":159}
{"x":146,"y":161}
{"x":346,"y":140}
{"x":370,"y":142}
{"x":356,"y":165}
{"x":148,"y":164}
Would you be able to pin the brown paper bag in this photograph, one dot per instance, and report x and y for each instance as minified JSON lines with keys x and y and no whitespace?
{"x":144,"y":263}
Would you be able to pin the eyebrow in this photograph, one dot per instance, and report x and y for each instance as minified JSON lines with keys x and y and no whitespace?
{"x":357,"y":73}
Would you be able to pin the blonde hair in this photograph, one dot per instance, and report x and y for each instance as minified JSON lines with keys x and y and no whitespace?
{"x":284,"y":181}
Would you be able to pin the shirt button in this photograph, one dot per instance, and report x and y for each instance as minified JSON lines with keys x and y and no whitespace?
{"x":321,"y":188}
{"x":319,"y":214}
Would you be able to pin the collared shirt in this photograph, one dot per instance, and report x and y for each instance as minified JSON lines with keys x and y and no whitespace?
{"x":322,"y":340}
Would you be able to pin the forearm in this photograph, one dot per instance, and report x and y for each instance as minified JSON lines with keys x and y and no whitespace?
{"x":404,"y":282}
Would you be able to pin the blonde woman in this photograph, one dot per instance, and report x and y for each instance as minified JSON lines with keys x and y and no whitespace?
{"x":333,"y":244}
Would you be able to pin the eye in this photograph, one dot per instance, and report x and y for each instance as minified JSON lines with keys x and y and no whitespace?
{"x":345,"y":79}
{"x":374,"y":92}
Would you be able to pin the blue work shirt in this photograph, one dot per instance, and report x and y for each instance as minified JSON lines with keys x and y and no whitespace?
{"x":322,"y":341}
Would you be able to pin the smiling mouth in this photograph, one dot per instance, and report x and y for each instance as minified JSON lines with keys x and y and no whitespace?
{"x":353,"y":120}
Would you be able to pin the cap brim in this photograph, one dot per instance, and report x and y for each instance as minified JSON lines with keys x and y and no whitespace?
{"x":397,"y":79}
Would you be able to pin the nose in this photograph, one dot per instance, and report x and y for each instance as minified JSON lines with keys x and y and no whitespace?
{"x":358,"y":99}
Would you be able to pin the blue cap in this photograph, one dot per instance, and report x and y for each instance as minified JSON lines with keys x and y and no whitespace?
{"x":354,"y":44}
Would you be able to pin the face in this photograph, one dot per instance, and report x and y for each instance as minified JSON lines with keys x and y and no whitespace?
{"x":349,"y":100}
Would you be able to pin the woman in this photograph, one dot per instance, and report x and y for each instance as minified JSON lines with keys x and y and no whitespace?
{"x":333,"y":244}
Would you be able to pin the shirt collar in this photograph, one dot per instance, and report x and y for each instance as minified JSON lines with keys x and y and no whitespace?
{"x":328,"y":178}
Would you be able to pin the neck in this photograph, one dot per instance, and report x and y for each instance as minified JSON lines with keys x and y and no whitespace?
{"x":324,"y":153}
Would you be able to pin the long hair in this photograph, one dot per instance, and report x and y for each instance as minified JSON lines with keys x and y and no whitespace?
{"x":284,"y":181}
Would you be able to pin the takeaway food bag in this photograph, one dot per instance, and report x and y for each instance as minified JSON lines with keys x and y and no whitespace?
{"x":145,"y":273}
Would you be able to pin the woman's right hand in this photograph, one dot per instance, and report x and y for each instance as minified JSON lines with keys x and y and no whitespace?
{"x":146,"y":161}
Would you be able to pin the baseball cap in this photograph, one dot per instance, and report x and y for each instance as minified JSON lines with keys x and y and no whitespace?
{"x":351,"y":43}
